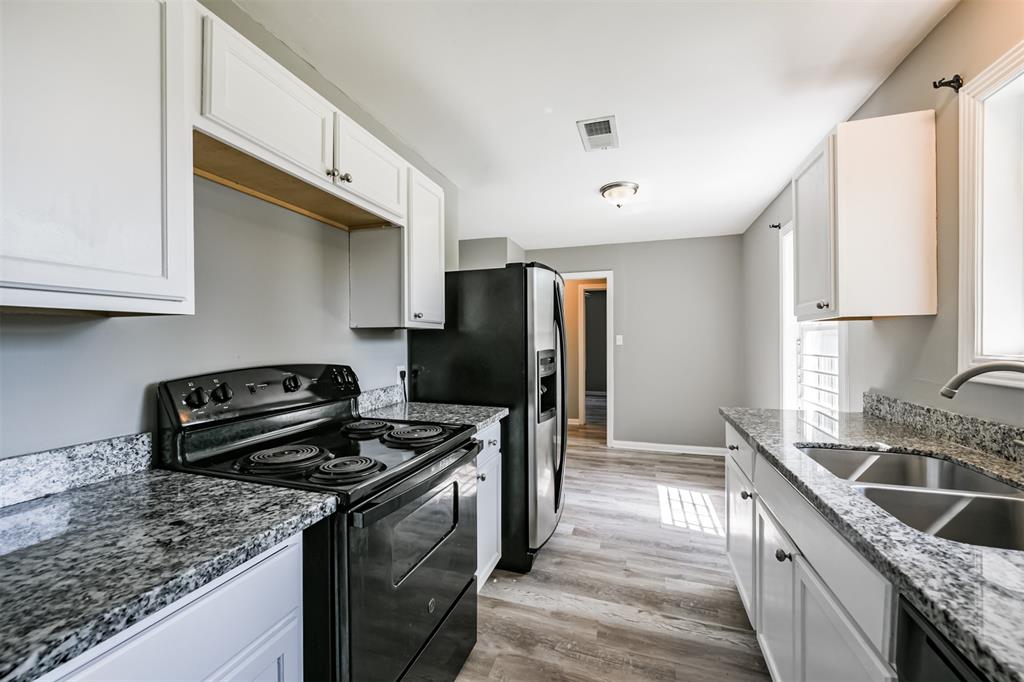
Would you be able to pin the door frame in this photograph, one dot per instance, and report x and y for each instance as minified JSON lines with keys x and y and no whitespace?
{"x":581,"y":334}
{"x":608,"y":277}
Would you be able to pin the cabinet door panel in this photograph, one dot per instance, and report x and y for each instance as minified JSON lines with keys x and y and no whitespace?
{"x":740,"y":517}
{"x":95,"y":160}
{"x":249,"y":93}
{"x":425,"y":253}
{"x":813,"y":216}
{"x":369,"y":169}
{"x":488,"y":514}
{"x":829,"y":647}
{"x":774,"y":609}
{"x":275,"y":658}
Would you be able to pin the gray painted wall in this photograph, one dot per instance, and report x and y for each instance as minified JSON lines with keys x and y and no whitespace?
{"x":269,"y":43}
{"x":483,"y":254}
{"x":906,"y":357}
{"x":489,"y":252}
{"x":597,"y":340}
{"x":761,"y":302}
{"x":271,"y":286}
{"x":913,"y":357}
{"x":677,"y":305}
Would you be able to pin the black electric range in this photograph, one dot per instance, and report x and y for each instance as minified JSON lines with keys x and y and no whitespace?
{"x":389,"y":587}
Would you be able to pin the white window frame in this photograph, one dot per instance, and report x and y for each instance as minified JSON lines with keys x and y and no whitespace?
{"x":972,"y":118}
{"x":787,"y":307}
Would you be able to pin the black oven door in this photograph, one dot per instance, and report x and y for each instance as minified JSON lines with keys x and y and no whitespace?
{"x":412,"y":552}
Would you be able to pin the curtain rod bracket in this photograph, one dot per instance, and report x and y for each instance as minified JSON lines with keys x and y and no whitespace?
{"x":956,"y":82}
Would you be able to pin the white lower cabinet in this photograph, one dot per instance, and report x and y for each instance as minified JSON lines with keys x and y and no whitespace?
{"x":828,"y":646}
{"x":488,"y":503}
{"x":246,"y":625}
{"x":821,"y":612}
{"x":776,"y":624}
{"x":739,"y":537}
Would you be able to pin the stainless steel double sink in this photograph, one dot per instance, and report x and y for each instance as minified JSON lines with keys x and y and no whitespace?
{"x":935,"y":496}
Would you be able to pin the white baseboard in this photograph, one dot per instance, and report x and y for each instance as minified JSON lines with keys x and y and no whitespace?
{"x":668,"y":447}
{"x":575,"y":422}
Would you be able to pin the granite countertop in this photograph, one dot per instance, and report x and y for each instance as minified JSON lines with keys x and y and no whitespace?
{"x":480,"y":417}
{"x":78,"y":567}
{"x":973,"y":595}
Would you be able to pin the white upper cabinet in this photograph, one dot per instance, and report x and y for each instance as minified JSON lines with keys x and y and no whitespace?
{"x":95,"y":157}
{"x":864,"y":214}
{"x":366,"y":167}
{"x":396,"y":275}
{"x":425,"y":252}
{"x":812,"y":202}
{"x":252,"y":95}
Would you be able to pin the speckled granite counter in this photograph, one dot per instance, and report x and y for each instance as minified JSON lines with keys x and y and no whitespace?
{"x":973,"y":595}
{"x":481,"y":417}
{"x":80,"y":566}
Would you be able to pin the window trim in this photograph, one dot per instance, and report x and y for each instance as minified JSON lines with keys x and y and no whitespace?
{"x":972,"y":113}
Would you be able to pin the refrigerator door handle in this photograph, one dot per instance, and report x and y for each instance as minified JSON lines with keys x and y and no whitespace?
{"x":563,"y":423}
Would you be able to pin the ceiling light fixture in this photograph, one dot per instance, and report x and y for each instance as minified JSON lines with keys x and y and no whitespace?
{"x":618,"y":193}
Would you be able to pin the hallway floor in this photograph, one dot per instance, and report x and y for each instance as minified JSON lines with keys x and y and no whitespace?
{"x":634,"y":584}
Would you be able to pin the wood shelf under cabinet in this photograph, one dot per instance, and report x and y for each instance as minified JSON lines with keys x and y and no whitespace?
{"x":225,"y":165}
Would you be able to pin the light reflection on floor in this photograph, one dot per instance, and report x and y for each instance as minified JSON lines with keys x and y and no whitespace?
{"x":689,"y":509}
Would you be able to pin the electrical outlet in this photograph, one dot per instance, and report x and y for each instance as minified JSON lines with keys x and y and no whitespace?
{"x":398,"y":374}
{"x":618,"y":339}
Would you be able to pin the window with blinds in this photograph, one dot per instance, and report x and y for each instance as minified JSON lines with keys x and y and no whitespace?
{"x":817,"y":374}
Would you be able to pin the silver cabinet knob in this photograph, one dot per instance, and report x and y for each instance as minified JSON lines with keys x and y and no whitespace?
{"x":332,"y":172}
{"x":734,"y":447}
{"x":482,"y":477}
{"x":821,"y":305}
{"x":745,"y":495}
{"x":783,"y":555}
{"x":347,"y":177}
{"x":418,"y":316}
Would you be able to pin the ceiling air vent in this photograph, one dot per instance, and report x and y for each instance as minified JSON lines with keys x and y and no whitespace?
{"x":598,"y":133}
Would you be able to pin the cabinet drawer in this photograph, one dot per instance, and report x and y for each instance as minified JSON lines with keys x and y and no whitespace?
{"x":739,"y":451}
{"x":861,"y":590}
{"x":214,"y":629}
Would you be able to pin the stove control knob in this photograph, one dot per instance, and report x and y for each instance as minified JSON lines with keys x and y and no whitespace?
{"x":337,"y":378}
{"x":222,"y":393}
{"x":197,"y":397}
{"x":291,"y":383}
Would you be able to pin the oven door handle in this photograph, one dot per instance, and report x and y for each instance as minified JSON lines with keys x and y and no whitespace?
{"x":373,"y":511}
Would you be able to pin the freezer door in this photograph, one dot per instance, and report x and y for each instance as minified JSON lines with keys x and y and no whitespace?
{"x":546,"y":390}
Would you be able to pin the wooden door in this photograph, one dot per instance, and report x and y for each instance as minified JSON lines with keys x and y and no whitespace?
{"x":425,"y":252}
{"x":95,"y":157}
{"x":814,"y":234}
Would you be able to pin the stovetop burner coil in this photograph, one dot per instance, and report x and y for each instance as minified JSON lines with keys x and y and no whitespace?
{"x":282,"y":460}
{"x":346,"y":470}
{"x":414,"y":436}
{"x":366,"y":428}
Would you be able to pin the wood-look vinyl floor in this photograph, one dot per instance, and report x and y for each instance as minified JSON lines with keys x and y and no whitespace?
{"x":634,"y":584}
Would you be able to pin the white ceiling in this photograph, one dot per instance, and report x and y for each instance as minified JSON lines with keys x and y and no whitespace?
{"x":717,"y":102}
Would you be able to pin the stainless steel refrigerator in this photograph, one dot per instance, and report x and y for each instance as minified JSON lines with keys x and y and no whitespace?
{"x":503,"y":344}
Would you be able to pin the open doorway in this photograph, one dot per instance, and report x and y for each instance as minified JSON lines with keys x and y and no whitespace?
{"x":589,"y":361}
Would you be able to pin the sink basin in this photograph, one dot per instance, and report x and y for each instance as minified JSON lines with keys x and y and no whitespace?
{"x":915,"y":471}
{"x":985,"y":520}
